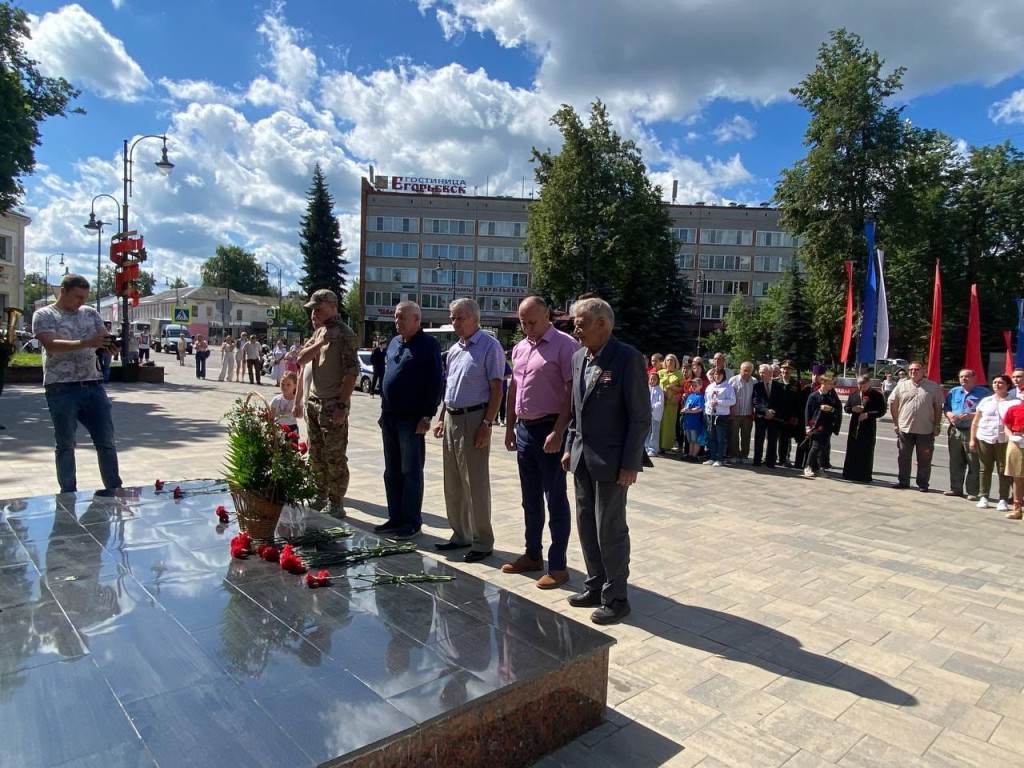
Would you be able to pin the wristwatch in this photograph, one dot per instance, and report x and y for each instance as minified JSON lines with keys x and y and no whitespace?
{"x":488,"y":423}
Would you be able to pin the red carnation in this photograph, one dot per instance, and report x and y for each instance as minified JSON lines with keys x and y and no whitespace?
{"x":159,"y":485}
{"x":178,"y":493}
{"x":222,"y":514}
{"x":290,"y":561}
{"x":268,"y":552}
{"x":322,"y":579}
{"x":241,"y":546}
{"x":303,"y":448}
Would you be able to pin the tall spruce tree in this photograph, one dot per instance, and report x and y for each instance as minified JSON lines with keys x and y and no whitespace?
{"x":793,"y":339}
{"x":323,"y":257}
{"x":600,"y":225}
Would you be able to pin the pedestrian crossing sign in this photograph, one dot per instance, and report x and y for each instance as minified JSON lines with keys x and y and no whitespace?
{"x":182,"y":315}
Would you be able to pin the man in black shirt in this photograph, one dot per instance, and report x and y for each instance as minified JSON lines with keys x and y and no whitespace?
{"x":378,"y":360}
{"x":410,"y":395}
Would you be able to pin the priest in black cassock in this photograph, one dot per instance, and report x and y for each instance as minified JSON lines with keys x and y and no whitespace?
{"x":865,"y":406}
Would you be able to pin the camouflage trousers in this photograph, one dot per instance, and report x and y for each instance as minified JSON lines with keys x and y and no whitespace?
{"x":328,"y":452}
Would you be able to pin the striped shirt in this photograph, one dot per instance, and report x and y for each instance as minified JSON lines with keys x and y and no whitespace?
{"x":473,"y":364}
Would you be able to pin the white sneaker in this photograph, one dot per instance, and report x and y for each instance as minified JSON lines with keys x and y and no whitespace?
{"x":716,"y":464}
{"x":983,"y":503}
{"x":808,"y":472}
{"x":1002,"y":506}
{"x":708,"y":463}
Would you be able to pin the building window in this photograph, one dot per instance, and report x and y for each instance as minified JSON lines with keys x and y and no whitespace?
{"x":772,"y":263}
{"x":509,"y":255}
{"x":6,"y":248}
{"x":503,"y":279}
{"x":436,"y":300}
{"x":444,"y":277}
{"x":685,"y":234}
{"x":726,"y":236}
{"x":686,"y":261}
{"x":449,"y":226}
{"x":724,"y":261}
{"x":209,"y":311}
{"x":390,"y":275}
{"x":392,"y":250}
{"x":715,"y":311}
{"x":392,"y":224}
{"x":238,"y":314}
{"x":776,"y":239}
{"x":727,"y":287}
{"x":387,"y":298}
{"x":502,"y":229}
{"x":498,"y":303}
{"x":444,"y":251}
{"x":761,"y":287}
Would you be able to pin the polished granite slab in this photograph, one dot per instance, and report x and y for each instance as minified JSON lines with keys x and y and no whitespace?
{"x":130,"y":637}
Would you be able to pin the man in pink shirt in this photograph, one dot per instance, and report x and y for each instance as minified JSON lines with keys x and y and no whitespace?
{"x":537,"y":414}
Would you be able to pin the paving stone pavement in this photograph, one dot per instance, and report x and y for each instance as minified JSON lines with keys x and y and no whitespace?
{"x":776,"y":621}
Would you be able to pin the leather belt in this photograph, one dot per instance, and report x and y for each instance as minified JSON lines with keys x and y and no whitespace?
{"x":539,"y":420}
{"x":467,"y":409}
{"x":70,"y":384}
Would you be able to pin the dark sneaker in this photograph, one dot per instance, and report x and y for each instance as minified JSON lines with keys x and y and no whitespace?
{"x":610,"y":614}
{"x":388,"y":527}
{"x":585,"y":599}
{"x":404,"y":534}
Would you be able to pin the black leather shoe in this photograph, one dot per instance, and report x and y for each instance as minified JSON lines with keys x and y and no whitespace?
{"x":899,"y":486}
{"x":448,"y":546}
{"x":585,"y":599}
{"x":475,"y":556}
{"x":387,"y":527}
{"x":610,"y":614}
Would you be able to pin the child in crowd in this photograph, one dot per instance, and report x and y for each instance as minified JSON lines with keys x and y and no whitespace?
{"x":693,"y":419}
{"x":657,"y":409}
{"x":823,"y":416}
{"x":283,"y":405}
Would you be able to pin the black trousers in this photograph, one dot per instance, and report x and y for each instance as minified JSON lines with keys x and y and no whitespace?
{"x":766,"y":431}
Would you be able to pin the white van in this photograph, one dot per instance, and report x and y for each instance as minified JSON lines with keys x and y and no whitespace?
{"x":169,"y":341}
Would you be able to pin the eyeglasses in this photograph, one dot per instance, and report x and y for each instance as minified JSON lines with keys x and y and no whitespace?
{"x":915,"y":370}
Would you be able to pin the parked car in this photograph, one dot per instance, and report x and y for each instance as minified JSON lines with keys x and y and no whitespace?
{"x":168,"y":342}
{"x":365,"y":370}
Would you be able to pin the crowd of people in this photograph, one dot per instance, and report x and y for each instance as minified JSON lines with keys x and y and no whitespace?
{"x":708,"y":414}
{"x":251,"y":356}
{"x":584,"y":403}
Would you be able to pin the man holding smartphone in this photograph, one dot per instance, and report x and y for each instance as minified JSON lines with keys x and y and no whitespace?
{"x":72,"y":334}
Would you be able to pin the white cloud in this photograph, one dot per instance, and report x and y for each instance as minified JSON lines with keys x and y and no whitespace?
{"x":664,"y":61}
{"x":118,"y":4}
{"x":736,"y":128}
{"x":71,"y":43}
{"x":199,"y":91}
{"x":1010,"y":110}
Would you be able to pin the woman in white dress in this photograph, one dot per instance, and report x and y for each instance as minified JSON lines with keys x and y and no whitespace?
{"x":277,"y":370}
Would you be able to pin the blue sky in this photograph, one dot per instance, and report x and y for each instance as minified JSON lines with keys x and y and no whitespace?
{"x":252,"y":96}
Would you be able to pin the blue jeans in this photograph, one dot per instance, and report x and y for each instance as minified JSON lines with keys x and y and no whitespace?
{"x":718,"y":437}
{"x":84,"y":402}
{"x":541,"y":475}
{"x":405,"y":453}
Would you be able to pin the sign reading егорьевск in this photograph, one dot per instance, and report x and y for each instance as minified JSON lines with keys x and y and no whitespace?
{"x":421,"y":184}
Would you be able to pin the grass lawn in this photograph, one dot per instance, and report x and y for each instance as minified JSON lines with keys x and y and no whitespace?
{"x":27,"y":359}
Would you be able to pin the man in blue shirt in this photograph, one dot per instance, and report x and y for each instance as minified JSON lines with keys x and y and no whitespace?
{"x":410,"y":394}
{"x":958,"y":410}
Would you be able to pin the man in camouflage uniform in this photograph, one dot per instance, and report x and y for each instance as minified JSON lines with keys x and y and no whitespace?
{"x":331,"y":351}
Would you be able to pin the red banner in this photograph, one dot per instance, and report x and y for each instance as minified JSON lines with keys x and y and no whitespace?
{"x":972,"y":358}
{"x":935,"y":346}
{"x":848,"y":328}
{"x":1009,"y":353}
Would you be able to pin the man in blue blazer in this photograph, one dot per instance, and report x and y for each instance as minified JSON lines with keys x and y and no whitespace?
{"x":611,"y":416}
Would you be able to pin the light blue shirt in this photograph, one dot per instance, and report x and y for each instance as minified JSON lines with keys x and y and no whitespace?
{"x":960,"y":401}
{"x":472,"y":365}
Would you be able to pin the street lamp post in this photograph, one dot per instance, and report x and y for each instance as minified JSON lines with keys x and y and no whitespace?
{"x":438,"y":269}
{"x":700,"y":317}
{"x":176,"y":285}
{"x":266,"y":269}
{"x":46,"y":293}
{"x":577,"y":249}
{"x":165,"y":166}
{"x":97,"y":225}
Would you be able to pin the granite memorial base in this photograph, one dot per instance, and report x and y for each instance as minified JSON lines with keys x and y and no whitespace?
{"x":129,"y":636}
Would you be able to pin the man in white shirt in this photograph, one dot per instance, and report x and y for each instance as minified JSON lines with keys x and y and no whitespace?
{"x":252,"y":360}
{"x":741,"y":417}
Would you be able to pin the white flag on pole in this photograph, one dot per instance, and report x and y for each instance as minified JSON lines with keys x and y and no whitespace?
{"x":882,"y":326}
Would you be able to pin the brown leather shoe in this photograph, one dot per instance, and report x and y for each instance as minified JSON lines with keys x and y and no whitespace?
{"x":552,"y":579}
{"x":522,"y":565}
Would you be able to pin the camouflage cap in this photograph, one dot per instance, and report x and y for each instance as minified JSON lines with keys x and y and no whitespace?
{"x":319,"y":296}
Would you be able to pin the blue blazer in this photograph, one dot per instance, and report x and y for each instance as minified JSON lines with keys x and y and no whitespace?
{"x":611,"y":419}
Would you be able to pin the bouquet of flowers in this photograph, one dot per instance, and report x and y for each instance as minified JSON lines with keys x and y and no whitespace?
{"x":262,"y":461}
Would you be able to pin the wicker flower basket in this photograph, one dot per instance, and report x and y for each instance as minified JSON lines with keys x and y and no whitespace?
{"x":256,"y":516}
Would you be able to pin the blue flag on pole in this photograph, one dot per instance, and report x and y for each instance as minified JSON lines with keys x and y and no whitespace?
{"x":869,"y":313}
{"x":1018,"y":359}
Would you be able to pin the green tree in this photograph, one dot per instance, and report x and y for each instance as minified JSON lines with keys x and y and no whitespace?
{"x":352,"y":309}
{"x":147,"y":282}
{"x":748,"y":335}
{"x":792,"y":335}
{"x":236,"y":268}
{"x":323,"y":257}
{"x":292,"y":310}
{"x":601,"y":226}
{"x":854,"y":168}
{"x":26,"y":100}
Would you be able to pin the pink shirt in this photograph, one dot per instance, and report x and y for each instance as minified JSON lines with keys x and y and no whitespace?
{"x":540,"y":371}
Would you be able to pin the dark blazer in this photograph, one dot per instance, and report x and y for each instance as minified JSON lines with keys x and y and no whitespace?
{"x":610,"y":421}
{"x":770,"y":397}
{"x":821,"y":421}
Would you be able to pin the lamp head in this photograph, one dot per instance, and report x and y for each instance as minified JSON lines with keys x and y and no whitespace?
{"x":92,"y":223}
{"x":164,"y":165}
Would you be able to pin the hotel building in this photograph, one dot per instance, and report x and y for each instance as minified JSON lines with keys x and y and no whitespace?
{"x":428,"y":246}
